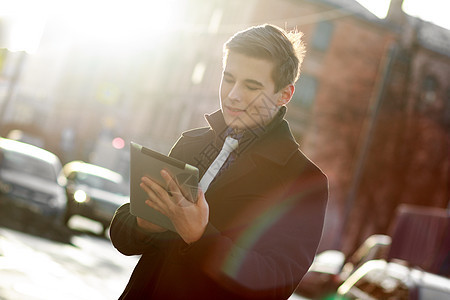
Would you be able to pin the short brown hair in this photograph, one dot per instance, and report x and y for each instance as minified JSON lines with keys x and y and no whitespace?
{"x":285,"y":49}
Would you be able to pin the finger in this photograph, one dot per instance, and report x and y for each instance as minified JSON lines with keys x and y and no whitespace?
{"x":154,"y":200}
{"x":148,"y":190}
{"x":161,"y":201}
{"x":155,"y":206}
{"x":181,"y":193}
{"x":158,"y":206}
{"x":170,"y":181}
{"x":172,"y":185}
{"x":155,"y":187}
{"x":201,"y":200}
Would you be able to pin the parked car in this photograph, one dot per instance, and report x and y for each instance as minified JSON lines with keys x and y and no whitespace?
{"x":378,"y":279}
{"x":93,"y":192}
{"x":25,"y":137}
{"x":31,"y":178}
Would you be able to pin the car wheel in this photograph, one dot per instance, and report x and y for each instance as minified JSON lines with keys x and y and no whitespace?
{"x":105,"y":229}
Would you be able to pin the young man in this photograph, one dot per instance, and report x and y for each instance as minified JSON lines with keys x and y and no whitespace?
{"x":253,"y":233}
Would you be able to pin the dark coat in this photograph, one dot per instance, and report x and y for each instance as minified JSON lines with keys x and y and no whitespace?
{"x":265,"y":223}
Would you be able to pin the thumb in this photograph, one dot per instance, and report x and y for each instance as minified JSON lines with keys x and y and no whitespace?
{"x":201,"y":198}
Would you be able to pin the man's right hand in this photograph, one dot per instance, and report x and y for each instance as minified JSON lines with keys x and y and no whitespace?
{"x":149,"y":227}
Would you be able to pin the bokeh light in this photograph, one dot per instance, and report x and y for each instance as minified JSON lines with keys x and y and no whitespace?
{"x":96,"y":23}
{"x":118,"y":143}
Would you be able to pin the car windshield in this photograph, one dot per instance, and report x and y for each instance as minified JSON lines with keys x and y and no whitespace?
{"x":27,"y":164}
{"x":98,"y":182}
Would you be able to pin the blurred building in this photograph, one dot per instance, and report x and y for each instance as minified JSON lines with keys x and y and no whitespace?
{"x":371,"y":107}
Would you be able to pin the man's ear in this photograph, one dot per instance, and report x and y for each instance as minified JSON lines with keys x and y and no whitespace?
{"x":286,"y":95}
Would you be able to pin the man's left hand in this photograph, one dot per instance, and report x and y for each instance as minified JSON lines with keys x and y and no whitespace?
{"x":189,"y":219}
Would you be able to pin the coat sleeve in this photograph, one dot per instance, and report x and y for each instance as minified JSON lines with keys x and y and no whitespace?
{"x":128,"y":239}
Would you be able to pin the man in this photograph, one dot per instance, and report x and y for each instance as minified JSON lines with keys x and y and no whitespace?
{"x":253,"y":232}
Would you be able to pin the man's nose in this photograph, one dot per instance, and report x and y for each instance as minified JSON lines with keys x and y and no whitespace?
{"x":235,"y":93}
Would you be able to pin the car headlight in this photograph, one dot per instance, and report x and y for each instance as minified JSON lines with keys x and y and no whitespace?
{"x":80,"y":196}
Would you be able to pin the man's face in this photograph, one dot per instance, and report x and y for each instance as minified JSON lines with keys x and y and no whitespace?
{"x":247,"y":95}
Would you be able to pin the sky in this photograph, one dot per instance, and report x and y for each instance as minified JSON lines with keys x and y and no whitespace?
{"x":34,"y":12}
{"x":435,"y":11}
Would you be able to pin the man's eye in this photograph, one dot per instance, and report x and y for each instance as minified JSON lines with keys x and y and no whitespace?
{"x":252,"y":88}
{"x":228,"y":80}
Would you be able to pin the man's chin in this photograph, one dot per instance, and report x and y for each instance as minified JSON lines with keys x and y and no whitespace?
{"x":239,"y":124}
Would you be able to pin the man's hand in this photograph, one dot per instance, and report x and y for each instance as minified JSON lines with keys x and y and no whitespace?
{"x":189,"y":219}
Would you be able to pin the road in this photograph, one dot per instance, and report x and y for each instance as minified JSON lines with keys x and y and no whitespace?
{"x":72,"y":264}
{"x":36,"y":268}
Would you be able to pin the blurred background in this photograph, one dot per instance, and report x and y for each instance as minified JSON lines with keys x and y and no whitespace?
{"x":372,"y":107}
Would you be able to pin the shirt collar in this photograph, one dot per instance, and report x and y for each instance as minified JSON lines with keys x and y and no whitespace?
{"x":280,"y":146}
{"x":217,"y":123}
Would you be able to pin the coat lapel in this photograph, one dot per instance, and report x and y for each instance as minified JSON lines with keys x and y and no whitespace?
{"x":242,"y":166}
{"x":275,"y":144}
{"x":276,"y":147}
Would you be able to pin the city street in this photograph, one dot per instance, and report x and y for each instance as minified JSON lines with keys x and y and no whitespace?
{"x":88,"y":267}
{"x":34,"y":268}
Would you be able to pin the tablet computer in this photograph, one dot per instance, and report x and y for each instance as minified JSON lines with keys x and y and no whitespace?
{"x":147,"y":162}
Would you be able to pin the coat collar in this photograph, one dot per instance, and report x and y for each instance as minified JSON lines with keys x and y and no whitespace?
{"x":274,"y":142}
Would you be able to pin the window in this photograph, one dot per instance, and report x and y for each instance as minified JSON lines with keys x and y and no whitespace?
{"x":429,"y":88}
{"x":305,"y":91}
{"x":214,"y":22}
{"x":322,"y":36}
{"x":198,"y":73}
{"x":26,"y":164}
